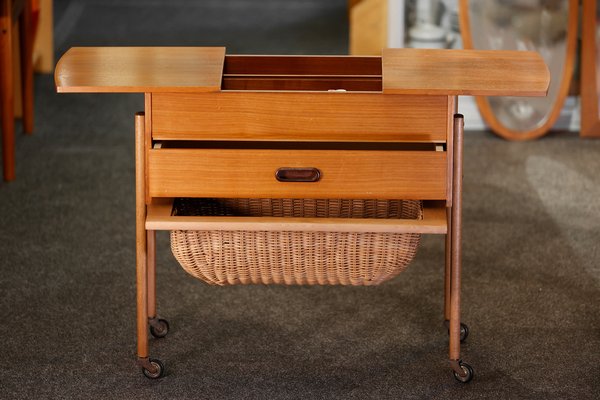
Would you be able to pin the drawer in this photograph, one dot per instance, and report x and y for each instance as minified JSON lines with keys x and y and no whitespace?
{"x":364,"y":174}
{"x":299,"y":116}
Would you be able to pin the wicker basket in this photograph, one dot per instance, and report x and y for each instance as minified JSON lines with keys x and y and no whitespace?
{"x":279,"y":257}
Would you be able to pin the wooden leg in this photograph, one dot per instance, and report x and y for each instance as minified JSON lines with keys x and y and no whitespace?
{"x":26,"y":46}
{"x":462,"y":371}
{"x":158,"y":327}
{"x":141,"y":240}
{"x":7,"y":90}
{"x":151,"y":261}
{"x":152,"y":368}
{"x":455,"y":258}
{"x":448,"y":265}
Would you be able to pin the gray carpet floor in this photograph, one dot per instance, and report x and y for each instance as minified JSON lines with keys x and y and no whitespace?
{"x":531,"y":287}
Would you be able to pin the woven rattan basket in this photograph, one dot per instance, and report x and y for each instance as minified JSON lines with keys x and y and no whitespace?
{"x":303,"y":258}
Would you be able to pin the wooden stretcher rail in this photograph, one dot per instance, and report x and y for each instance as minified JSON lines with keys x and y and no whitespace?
{"x":295,"y":116}
{"x":160,"y":218}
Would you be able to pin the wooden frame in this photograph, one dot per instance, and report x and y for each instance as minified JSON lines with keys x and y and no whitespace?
{"x":590,"y":71}
{"x":565,"y":80}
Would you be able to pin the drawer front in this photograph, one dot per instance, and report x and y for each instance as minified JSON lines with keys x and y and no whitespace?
{"x":299,"y":117}
{"x":341,"y":174}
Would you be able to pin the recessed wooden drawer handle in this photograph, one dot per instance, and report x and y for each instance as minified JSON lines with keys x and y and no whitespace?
{"x":288,"y":174}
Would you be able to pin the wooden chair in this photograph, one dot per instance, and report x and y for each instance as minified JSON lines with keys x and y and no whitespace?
{"x":10,"y":12}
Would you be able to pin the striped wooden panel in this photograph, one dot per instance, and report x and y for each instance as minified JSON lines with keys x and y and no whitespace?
{"x":251,"y":173}
{"x":296,"y":116}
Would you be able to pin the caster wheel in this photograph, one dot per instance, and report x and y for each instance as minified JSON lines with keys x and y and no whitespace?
{"x":468,"y":373}
{"x":161,"y":328}
{"x":464,"y":332}
{"x":160,"y":369}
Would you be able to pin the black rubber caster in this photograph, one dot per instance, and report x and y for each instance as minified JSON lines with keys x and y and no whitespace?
{"x":467,"y":373}
{"x":159,"y":328}
{"x":159,"y":369}
{"x":464,"y":330}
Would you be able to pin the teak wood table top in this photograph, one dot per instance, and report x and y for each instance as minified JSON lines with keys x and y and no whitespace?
{"x":464,"y":72}
{"x":200,"y":69}
{"x":140,"y":69}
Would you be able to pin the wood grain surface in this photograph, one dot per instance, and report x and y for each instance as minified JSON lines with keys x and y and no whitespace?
{"x":140,"y":69}
{"x":350,"y":174}
{"x":298,"y":116}
{"x":160,"y":218}
{"x":302,"y":65}
{"x":200,"y":69}
{"x":464,"y":72}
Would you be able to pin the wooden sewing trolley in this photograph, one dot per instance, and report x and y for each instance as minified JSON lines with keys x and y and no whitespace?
{"x":317,"y":127}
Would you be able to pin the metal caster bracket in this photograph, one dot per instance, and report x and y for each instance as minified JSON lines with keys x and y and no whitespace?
{"x":151,"y":367}
{"x":463,"y":372}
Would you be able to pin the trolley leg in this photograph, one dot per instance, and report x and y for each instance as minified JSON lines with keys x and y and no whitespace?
{"x":462,"y":371}
{"x":141,"y":243}
{"x":447,"y":266}
{"x":464,"y":329}
{"x":151,"y":262}
{"x":158,"y":327}
{"x":145,"y":258}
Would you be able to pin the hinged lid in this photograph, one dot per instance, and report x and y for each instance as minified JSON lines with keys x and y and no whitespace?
{"x":140,"y":69}
{"x":464,"y":72}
